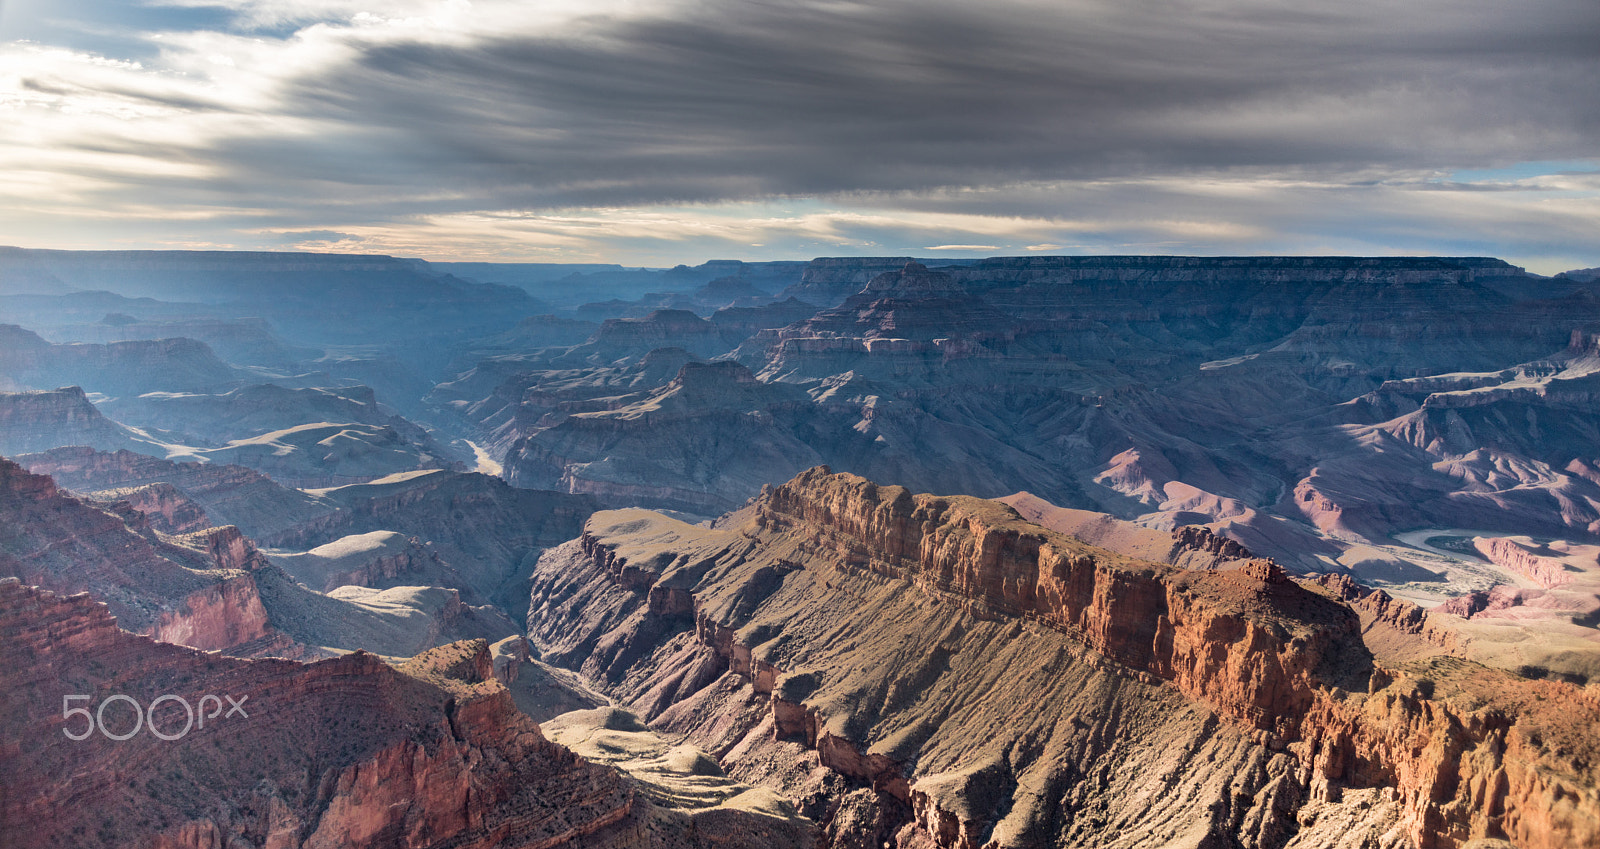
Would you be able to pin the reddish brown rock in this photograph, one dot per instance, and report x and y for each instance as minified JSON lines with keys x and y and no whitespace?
{"x":167,"y":508}
{"x":993,"y":674}
{"x":1540,"y":565}
{"x":197,"y":588}
{"x":343,"y":752}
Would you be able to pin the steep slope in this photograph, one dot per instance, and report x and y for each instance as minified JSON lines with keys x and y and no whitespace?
{"x":198,"y":589}
{"x":488,"y":532}
{"x":230,"y":495}
{"x":343,"y":752}
{"x":42,"y":420}
{"x":212,"y":589}
{"x":935,"y":671}
{"x":117,"y":368}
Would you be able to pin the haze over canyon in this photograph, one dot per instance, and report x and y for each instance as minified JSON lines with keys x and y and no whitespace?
{"x":1294,"y":552}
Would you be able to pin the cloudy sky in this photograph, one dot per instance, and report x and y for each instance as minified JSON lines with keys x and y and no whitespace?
{"x":652,"y":132}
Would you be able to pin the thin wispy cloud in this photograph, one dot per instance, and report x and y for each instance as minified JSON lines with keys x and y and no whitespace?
{"x":1234,"y":126}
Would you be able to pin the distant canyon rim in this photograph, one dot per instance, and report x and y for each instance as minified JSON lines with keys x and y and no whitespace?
{"x":1043,"y":551}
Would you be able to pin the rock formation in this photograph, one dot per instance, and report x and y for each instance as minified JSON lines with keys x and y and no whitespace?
{"x":230,"y":495}
{"x":379,"y":559}
{"x":487,"y":532}
{"x":197,"y":589}
{"x":42,"y":420}
{"x":129,"y":367}
{"x":1311,"y":556}
{"x":693,"y":445}
{"x":165,"y":506}
{"x":936,"y":671}
{"x":1310,"y":408}
{"x":213,"y":589}
{"x":347,"y":752}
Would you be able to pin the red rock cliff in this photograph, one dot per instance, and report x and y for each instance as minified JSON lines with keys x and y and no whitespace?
{"x":346,"y":752}
{"x":1467,"y":752}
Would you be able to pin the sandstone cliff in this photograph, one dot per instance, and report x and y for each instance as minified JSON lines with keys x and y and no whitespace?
{"x":344,"y":752}
{"x":936,"y":671}
{"x":168,"y":509}
{"x":198,"y":589}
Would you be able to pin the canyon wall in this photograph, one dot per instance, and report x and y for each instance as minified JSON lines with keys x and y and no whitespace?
{"x":972,"y":679}
{"x":343,"y":752}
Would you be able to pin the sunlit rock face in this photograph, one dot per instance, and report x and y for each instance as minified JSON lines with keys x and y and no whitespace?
{"x":1306,"y":407}
{"x":936,"y":671}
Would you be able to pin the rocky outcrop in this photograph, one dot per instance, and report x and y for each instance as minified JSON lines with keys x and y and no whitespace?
{"x":166,"y":507}
{"x":131,"y":367}
{"x":224,"y":615}
{"x":1535,"y":562}
{"x":1203,"y":540}
{"x":1394,"y":630}
{"x":40,"y":421}
{"x":439,"y":756}
{"x":197,"y":587}
{"x":883,"y":637}
{"x":229,"y":494}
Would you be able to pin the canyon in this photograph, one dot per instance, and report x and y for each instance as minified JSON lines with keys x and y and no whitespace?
{"x":348,"y":751}
{"x":938,"y":671}
{"x":1193,"y":552}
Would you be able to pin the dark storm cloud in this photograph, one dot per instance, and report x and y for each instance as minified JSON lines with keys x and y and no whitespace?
{"x":727,"y":100}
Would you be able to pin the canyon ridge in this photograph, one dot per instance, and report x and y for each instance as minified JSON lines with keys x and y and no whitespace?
{"x":1017,"y":552}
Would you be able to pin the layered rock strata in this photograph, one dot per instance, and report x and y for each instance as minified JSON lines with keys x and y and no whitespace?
{"x":343,"y":752}
{"x":198,"y":589}
{"x":936,"y":671}
{"x":230,"y":495}
{"x":39,"y":421}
